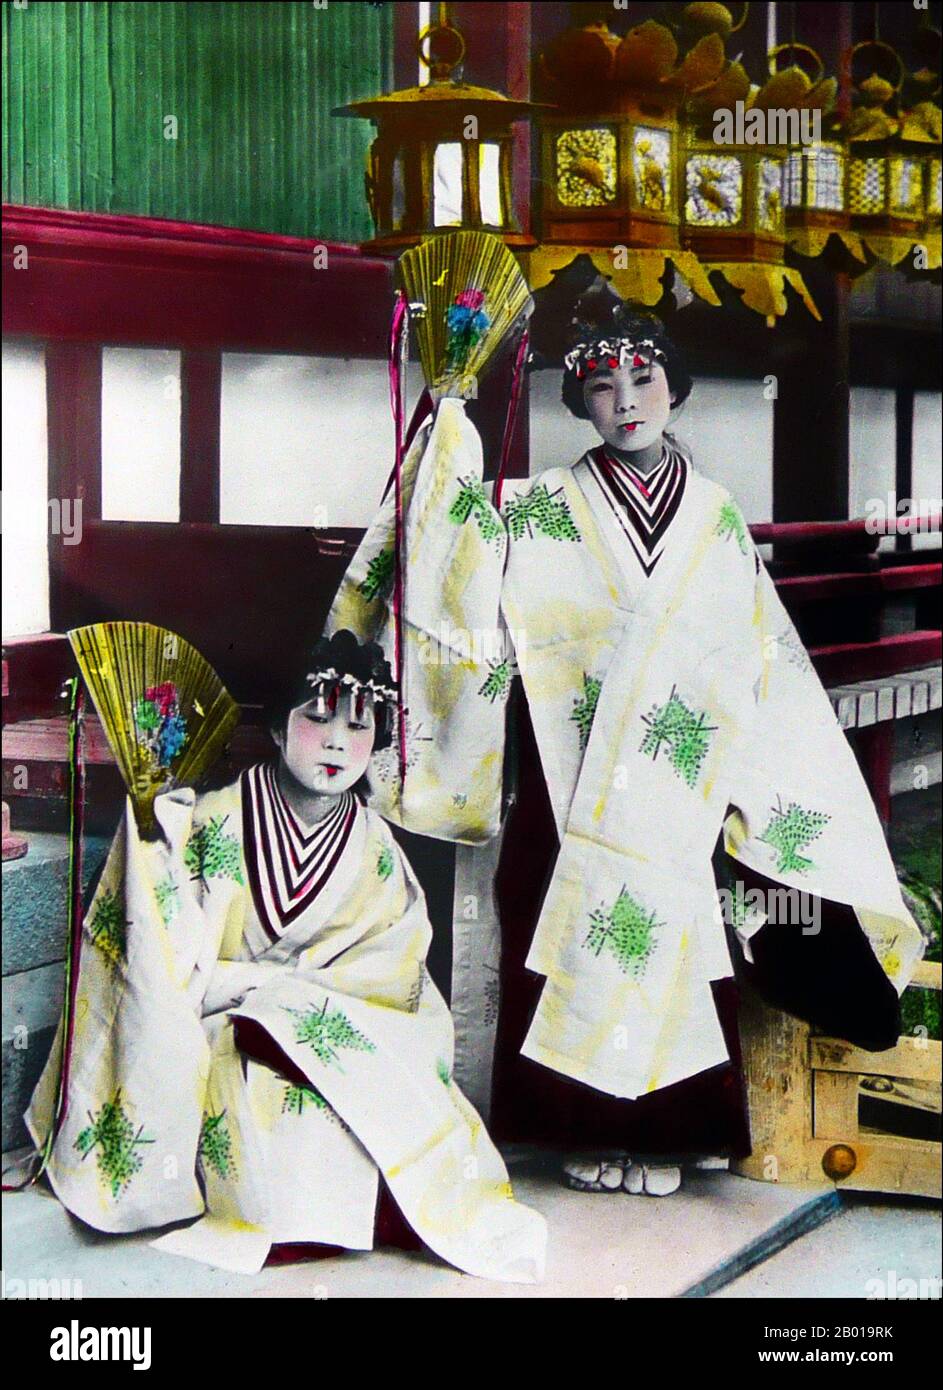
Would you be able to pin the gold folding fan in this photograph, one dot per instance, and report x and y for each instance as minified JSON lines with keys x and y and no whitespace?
{"x":466,"y":292}
{"x":165,"y":711}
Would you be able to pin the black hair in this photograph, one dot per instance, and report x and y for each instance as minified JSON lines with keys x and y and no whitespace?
{"x":622,"y":320}
{"x":348,"y":657}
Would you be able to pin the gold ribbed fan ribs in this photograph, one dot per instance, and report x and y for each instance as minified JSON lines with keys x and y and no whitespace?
{"x":165,"y":711}
{"x":466,"y":293}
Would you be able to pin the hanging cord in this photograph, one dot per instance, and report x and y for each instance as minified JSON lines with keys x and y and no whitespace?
{"x":421,"y":413}
{"x":74,"y":924}
{"x":399,"y":347}
{"x":517,"y":381}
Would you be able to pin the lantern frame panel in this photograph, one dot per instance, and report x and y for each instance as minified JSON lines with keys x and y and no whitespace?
{"x":746,"y":239}
{"x":626,"y":218}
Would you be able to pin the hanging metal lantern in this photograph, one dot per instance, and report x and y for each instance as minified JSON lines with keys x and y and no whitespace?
{"x":815,"y":174}
{"x":442,"y":157}
{"x":920,"y":131}
{"x":734,"y":206}
{"x":885,"y":169}
{"x":610,"y":155}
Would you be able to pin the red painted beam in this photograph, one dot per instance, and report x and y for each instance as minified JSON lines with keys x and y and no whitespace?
{"x":846,"y":662}
{"x":909,"y":577}
{"x":801,"y":532}
{"x":104,"y":278}
{"x":812,"y":588}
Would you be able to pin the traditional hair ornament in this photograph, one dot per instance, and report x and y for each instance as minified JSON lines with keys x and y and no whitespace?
{"x":327,"y":683}
{"x":612,"y":353}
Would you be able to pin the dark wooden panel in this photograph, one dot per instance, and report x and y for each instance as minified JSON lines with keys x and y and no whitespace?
{"x":200,"y":396}
{"x":250,"y":598}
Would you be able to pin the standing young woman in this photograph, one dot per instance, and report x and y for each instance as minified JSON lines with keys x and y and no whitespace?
{"x":670,"y":698}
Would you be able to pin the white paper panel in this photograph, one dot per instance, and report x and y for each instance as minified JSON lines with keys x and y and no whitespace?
{"x":447,"y":185}
{"x":927,"y":464}
{"x":489,"y":185}
{"x":25,"y":546}
{"x":305,"y":441}
{"x":872,"y":464}
{"x":140,"y":434}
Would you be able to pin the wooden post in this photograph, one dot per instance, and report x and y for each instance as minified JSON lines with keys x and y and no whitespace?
{"x":74,"y":442}
{"x":200,"y":401}
{"x":779,"y":1091}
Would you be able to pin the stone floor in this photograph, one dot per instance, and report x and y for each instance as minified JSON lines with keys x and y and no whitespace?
{"x":600,"y":1246}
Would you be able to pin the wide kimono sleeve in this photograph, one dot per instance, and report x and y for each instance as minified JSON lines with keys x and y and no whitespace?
{"x":124,"y":1157}
{"x":803,"y":814}
{"x":456,"y":662}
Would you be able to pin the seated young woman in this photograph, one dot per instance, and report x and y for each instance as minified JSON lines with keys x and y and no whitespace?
{"x":257,"y":1041}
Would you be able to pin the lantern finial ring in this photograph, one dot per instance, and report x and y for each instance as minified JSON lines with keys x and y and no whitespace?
{"x":441,"y":47}
{"x":796,"y":48}
{"x":881,"y":46}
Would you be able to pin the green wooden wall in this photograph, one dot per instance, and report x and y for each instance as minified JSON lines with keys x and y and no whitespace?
{"x":86,"y":88}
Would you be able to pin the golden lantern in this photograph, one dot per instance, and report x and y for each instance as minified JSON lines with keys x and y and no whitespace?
{"x":734,"y":215}
{"x":610,"y":155}
{"x":885,"y":168}
{"x":920,"y":130}
{"x":815,"y":173}
{"x":442,"y":157}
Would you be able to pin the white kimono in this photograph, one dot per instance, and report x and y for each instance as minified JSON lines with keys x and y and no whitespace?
{"x":665,"y":682}
{"x":318,"y":936}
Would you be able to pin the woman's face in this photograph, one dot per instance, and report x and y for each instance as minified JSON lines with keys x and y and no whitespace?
{"x":629,"y":405}
{"x":328,"y":753}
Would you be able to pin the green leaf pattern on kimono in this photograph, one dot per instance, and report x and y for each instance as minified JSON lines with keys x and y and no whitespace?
{"x":385,"y":862}
{"x":379,"y":576}
{"x":112,"y":1134}
{"x":215,"y":1146}
{"x":543,"y":512}
{"x":168,"y":898}
{"x":730,"y":522}
{"x":443,"y":1072}
{"x":472,"y":501}
{"x":108,"y":926}
{"x":627,"y":931}
{"x":297,"y":1099}
{"x":683,"y":731}
{"x":584,"y":707}
{"x":789,"y":831}
{"x":328,"y":1032}
{"x":498,"y":681}
{"x":211,"y":853}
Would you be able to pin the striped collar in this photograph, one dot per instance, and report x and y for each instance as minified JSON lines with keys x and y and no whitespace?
{"x":288,"y":864}
{"x":645,"y":504}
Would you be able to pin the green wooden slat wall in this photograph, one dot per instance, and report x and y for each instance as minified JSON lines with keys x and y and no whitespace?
{"x":86,"y":88}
